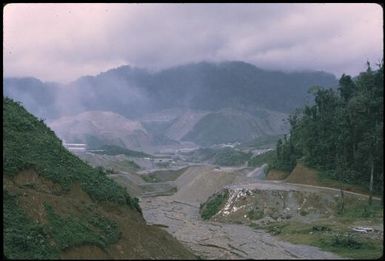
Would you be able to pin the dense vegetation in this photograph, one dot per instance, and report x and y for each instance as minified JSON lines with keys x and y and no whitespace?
{"x":213,"y":205}
{"x":89,"y":229}
{"x":342,"y":133}
{"x":231,"y":157}
{"x":23,"y":238}
{"x":29,"y":143}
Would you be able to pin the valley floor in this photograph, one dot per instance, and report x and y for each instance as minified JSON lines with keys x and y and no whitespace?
{"x":179,"y":215}
{"x":212,"y":240}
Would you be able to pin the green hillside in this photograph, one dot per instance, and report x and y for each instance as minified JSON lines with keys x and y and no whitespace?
{"x":29,"y":143}
{"x":56,"y":206}
{"x":341,"y":135}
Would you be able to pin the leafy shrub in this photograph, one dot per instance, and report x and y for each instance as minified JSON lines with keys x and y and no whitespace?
{"x":212,"y":206}
{"x":231,"y":157}
{"x":73,"y":231}
{"x":345,"y":240}
{"x":255,"y":214}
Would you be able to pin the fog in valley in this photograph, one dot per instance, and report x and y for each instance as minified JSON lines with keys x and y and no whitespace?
{"x":235,"y":131}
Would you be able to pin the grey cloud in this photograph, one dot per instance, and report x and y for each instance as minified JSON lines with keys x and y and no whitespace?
{"x":72,"y":40}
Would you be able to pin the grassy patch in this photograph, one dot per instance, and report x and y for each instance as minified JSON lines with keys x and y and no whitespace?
{"x":73,"y":231}
{"x":337,"y":238}
{"x":163,"y":175}
{"x":255,"y":214}
{"x":326,"y":179}
{"x":213,"y":205}
{"x":29,"y":143}
{"x":231,"y":157}
{"x":150,"y":178}
{"x":335,"y":234}
{"x":24,"y":238}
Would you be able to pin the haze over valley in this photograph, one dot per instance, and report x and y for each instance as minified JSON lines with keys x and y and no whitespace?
{"x":204,"y":103}
{"x":193,"y":131}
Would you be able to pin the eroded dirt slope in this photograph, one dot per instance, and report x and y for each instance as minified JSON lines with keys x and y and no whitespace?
{"x":137,"y":239}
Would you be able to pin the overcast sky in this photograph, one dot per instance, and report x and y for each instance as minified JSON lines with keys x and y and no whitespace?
{"x":61,"y":42}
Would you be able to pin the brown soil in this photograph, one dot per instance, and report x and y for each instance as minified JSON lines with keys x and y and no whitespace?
{"x":138,"y":240}
{"x":302,"y":174}
{"x":275,"y":174}
{"x":85,"y":252}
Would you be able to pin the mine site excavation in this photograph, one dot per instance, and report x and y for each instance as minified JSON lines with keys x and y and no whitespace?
{"x":248,"y":203}
{"x":192,"y":131}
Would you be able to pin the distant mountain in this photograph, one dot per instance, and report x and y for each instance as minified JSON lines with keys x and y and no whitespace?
{"x":192,"y":96}
{"x":231,"y":126}
{"x":98,"y":128}
{"x":133,"y":92}
{"x":38,"y":97}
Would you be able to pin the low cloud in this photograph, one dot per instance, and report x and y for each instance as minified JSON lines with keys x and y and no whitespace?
{"x":61,"y":42}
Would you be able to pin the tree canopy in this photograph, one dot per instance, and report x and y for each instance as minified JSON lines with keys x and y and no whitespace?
{"x":342,"y":133}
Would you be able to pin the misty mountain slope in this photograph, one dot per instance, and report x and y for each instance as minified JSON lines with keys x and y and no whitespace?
{"x":97,"y":128}
{"x":37,"y":96}
{"x":132,"y":92}
{"x":56,"y":206}
{"x":230,"y":126}
{"x":170,"y":104}
{"x":184,"y":124}
{"x":214,"y":86}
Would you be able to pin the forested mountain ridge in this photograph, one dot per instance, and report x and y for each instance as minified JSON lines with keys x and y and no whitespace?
{"x":342,"y":133}
{"x":231,"y":101}
{"x":200,"y":86}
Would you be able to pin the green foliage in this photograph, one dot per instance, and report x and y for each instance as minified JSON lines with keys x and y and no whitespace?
{"x":23,"y":238}
{"x":335,"y":238}
{"x":231,"y":157}
{"x":213,"y":205}
{"x":345,"y":240}
{"x":255,"y":214}
{"x":29,"y":143}
{"x":162,"y":175}
{"x":362,"y":210}
{"x":342,"y":133}
{"x":73,"y":231}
